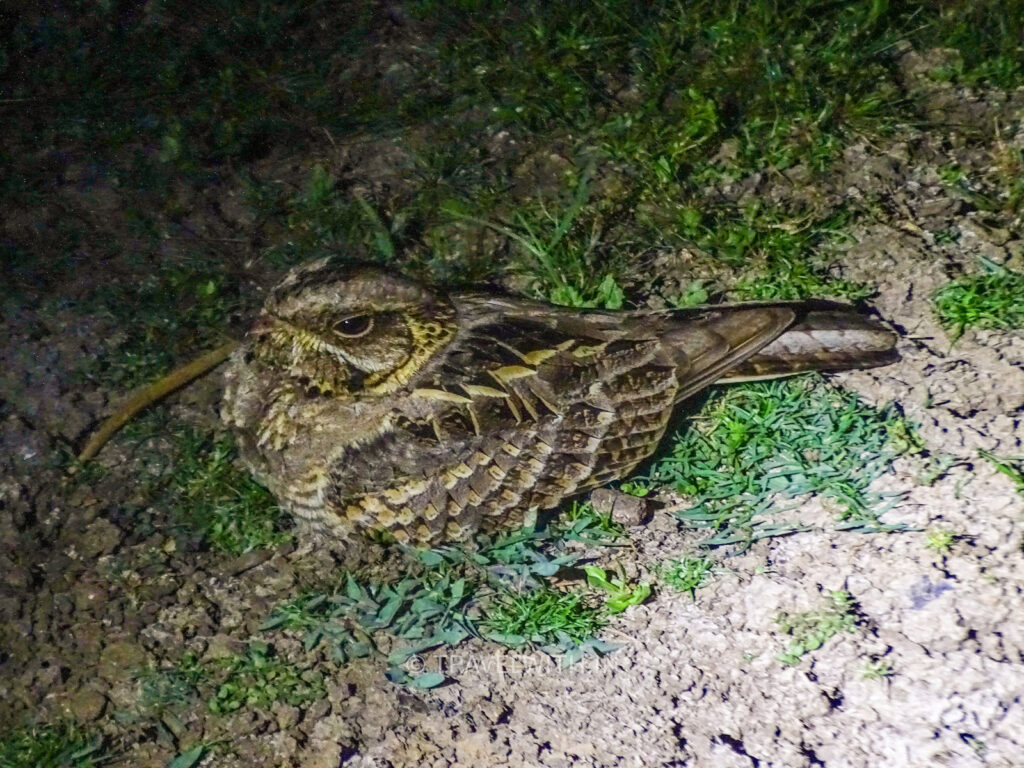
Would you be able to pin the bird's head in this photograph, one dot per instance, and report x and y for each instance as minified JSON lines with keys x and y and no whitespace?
{"x":345,"y":329}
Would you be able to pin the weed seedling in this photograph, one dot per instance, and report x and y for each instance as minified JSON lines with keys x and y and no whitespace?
{"x":51,"y":746}
{"x":994,"y":299}
{"x":637,"y":488}
{"x":620,"y":594}
{"x":877,"y":670}
{"x":686,"y":574}
{"x":1013,"y":468}
{"x":811,"y":630}
{"x":258,"y":678}
{"x":940,"y":540}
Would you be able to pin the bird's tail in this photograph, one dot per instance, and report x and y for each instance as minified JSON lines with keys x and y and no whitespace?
{"x":825,"y":337}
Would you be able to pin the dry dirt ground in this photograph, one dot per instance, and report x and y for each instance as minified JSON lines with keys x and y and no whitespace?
{"x":87,"y":601}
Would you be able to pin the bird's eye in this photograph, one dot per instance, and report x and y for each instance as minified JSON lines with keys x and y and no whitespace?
{"x":355,"y":326}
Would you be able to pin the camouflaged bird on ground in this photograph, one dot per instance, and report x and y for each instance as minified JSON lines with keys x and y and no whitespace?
{"x":369,"y":403}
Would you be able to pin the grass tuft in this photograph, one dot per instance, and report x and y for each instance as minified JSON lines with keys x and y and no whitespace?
{"x":199,"y":493}
{"x":686,"y":574}
{"x":811,"y":630}
{"x":754,"y":444}
{"x":991,"y":300}
{"x":257,"y":679}
{"x":542,"y":616}
{"x":51,"y":746}
{"x":214,"y":499}
{"x":940,"y":540}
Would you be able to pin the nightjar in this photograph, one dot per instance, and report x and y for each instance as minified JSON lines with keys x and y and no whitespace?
{"x":372,"y":404}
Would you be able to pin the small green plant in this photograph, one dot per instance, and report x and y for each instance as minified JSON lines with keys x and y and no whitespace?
{"x":541,"y":616}
{"x":51,"y":746}
{"x":621,"y":595}
{"x":445,"y":595}
{"x":696,"y":293}
{"x":686,"y":574}
{"x":254,"y":679}
{"x":940,"y":540}
{"x":811,"y":630}
{"x":753,"y":443}
{"x":172,"y":689}
{"x":1013,"y":468}
{"x":216,"y":501}
{"x":560,"y":251}
{"x":167,"y":317}
{"x":994,"y":299}
{"x":951,"y":174}
{"x":877,"y":670}
{"x":935,"y":466}
{"x":258,"y":678}
{"x":637,"y":488}
{"x":581,"y":521}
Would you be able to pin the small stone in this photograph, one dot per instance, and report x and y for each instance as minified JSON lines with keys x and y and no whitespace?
{"x":221,"y":647}
{"x":318,"y":710}
{"x":249,"y":560}
{"x":86,"y":705}
{"x":121,"y":659}
{"x":624,"y":509}
{"x":100,"y":538}
{"x":286,"y":715}
{"x":87,"y":596}
{"x":88,"y":637}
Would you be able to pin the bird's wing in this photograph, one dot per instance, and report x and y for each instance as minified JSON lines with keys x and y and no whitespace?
{"x":531,"y":403}
{"x":575,"y":399}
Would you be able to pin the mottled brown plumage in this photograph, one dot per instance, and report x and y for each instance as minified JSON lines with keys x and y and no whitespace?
{"x":370,"y":403}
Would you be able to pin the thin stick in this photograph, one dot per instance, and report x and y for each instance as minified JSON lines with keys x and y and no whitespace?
{"x":158,"y":390}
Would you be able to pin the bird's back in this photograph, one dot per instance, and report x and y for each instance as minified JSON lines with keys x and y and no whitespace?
{"x":531,"y":404}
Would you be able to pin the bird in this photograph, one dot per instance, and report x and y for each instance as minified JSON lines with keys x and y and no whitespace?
{"x":374,"y":406}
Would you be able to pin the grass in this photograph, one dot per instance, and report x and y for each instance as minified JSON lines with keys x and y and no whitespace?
{"x":51,"y":746}
{"x":581,"y":521}
{"x":1013,"y":468}
{"x":198,"y":493}
{"x":812,"y":629}
{"x":629,"y":129}
{"x":654,"y":110}
{"x":168,"y":317}
{"x":994,"y":299}
{"x":753,"y":445}
{"x":686,"y":574}
{"x":542,"y":616}
{"x":170,"y":690}
{"x":258,"y":678}
{"x":500,"y":589}
{"x":252,"y":680}
{"x":219,"y":502}
{"x":561,"y":251}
